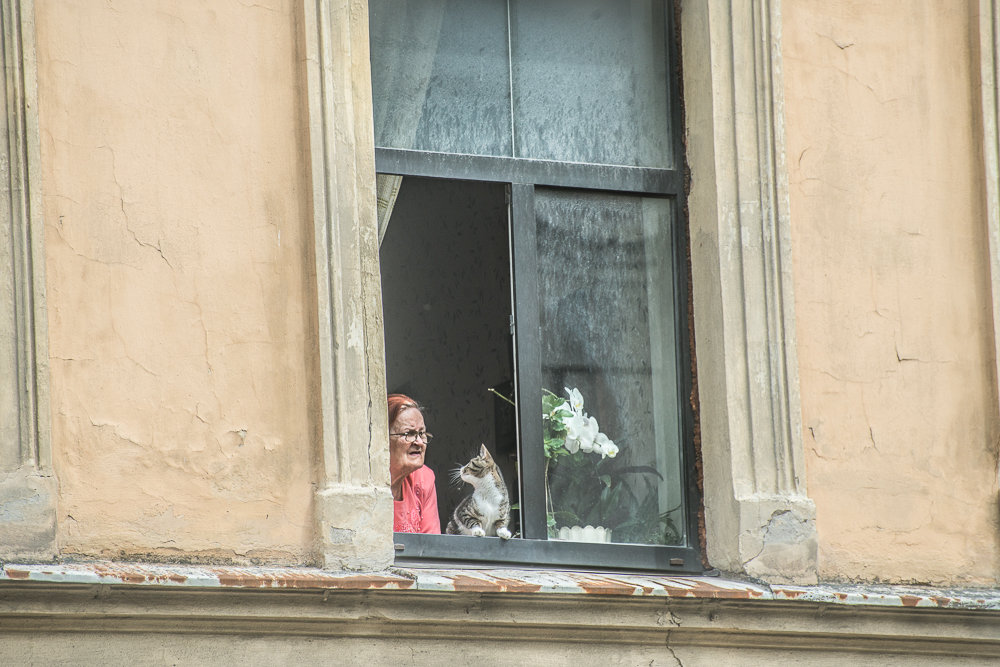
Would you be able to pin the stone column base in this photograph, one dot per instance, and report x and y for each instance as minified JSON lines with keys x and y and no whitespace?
{"x":27,"y":515}
{"x":777,"y":539}
{"x":355,"y":527}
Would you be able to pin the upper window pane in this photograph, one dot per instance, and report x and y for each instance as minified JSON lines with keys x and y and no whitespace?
{"x":565,"y":80}
{"x":441,"y":75}
{"x":589,"y":81}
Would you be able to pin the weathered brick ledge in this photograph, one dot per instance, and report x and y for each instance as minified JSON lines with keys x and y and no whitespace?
{"x":496,"y":581}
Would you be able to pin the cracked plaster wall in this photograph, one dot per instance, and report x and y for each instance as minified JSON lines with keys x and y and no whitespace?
{"x":177,"y":202}
{"x":177,"y":208}
{"x":892,"y":288}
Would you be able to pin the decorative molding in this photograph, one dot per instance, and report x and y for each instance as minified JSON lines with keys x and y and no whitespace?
{"x":989,"y":68}
{"x":353,"y":501}
{"x":27,"y":484}
{"x":383,"y":618}
{"x":759,"y":519}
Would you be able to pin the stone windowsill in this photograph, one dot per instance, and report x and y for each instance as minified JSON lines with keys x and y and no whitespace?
{"x":495,"y":581}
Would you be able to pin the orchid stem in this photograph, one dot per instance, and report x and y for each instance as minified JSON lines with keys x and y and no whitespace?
{"x":497,"y":393}
{"x":548,"y":492}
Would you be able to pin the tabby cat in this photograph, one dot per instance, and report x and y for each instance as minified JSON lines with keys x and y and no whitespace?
{"x":487,"y":510}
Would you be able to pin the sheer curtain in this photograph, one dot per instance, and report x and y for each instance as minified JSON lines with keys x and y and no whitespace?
{"x":386,"y":191}
{"x":406,"y":36}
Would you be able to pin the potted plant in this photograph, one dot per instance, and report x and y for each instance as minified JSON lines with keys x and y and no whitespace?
{"x":589,"y":494}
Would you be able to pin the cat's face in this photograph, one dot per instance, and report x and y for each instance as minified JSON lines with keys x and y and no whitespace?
{"x":405,"y":457}
{"x":478,"y":467}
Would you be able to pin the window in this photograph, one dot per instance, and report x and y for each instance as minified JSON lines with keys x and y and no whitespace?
{"x":531,"y":210}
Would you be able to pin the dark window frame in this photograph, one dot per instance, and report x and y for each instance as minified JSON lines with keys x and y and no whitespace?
{"x":522,"y":176}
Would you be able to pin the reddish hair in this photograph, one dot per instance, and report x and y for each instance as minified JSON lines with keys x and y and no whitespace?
{"x":398,"y":403}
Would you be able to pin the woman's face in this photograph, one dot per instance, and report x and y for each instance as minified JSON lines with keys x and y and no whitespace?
{"x":405,"y":457}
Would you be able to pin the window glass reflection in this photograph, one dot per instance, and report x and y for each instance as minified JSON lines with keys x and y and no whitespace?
{"x":608,"y":359}
{"x":441,"y":75}
{"x":590,"y":81}
{"x":567,"y":80}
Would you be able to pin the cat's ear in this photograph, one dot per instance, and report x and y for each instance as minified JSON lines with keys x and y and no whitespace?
{"x":485,"y":453}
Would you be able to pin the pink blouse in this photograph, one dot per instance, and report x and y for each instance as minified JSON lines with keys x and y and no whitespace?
{"x":417,"y":512}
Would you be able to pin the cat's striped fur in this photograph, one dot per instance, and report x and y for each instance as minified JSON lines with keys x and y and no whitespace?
{"x":487,"y":510}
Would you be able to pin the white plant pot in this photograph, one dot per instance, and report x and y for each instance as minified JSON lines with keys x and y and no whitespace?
{"x":585,"y":534}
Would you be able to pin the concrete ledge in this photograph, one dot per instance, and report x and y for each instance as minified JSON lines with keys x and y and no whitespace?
{"x":117,"y":613}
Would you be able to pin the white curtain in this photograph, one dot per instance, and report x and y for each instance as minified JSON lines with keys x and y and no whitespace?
{"x":386,"y":191}
{"x":405,"y":35}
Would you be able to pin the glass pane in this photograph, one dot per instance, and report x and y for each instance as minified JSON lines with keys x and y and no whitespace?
{"x":612,"y":427}
{"x":441,"y":76}
{"x":590,"y":81}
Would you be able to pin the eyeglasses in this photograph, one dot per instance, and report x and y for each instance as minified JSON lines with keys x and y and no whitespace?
{"x":412,"y":436}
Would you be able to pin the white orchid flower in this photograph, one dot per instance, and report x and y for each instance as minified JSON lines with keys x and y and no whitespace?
{"x":583,"y":432}
{"x":605,"y":446}
{"x":578,"y":433}
{"x":587,"y":432}
{"x":575,"y":399}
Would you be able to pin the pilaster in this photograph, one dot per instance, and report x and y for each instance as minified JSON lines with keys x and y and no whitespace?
{"x":353,"y":501}
{"x":27,"y":484}
{"x":989,"y":68}
{"x":759,"y":518}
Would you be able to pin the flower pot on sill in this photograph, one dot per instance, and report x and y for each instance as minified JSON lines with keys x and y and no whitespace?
{"x":585,"y":534}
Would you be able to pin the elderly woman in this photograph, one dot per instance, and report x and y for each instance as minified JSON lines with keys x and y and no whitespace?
{"x":415,"y":506}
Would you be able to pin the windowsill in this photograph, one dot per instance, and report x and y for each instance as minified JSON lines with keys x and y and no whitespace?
{"x":552,"y":582}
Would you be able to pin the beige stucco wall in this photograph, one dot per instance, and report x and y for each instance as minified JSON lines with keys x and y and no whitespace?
{"x":177,"y":203}
{"x":182,"y":336}
{"x":892,"y":288}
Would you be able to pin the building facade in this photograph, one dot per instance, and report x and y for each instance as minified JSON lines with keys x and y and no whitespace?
{"x":193,"y":375}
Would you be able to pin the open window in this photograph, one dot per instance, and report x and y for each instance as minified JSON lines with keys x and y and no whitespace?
{"x":533,"y":269}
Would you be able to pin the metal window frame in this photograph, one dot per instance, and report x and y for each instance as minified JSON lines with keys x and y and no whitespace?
{"x":523,"y":175}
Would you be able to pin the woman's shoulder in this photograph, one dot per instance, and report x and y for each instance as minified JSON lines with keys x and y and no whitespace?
{"x":423,"y":476}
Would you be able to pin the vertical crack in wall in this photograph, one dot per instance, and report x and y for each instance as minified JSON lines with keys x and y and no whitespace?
{"x":125,"y":216}
{"x":673,"y":654}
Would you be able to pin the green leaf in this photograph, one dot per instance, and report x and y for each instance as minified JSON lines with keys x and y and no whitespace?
{"x":550,"y":402}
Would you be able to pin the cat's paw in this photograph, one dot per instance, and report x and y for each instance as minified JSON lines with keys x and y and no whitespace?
{"x":503,"y":533}
{"x":477,"y":531}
